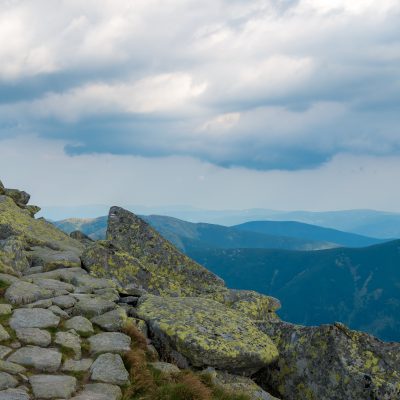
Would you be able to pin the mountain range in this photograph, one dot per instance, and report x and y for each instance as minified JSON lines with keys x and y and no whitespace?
{"x":379,"y":224}
{"x":259,"y":234}
{"x":359,"y":287}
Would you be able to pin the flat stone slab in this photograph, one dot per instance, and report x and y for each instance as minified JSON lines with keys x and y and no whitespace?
{"x":77,"y":365}
{"x":99,"y":391}
{"x":64,"y":301}
{"x":93,"y":283}
{"x":111,"y":321}
{"x":109,"y":368}
{"x":53,"y":284}
{"x":58,"y":311}
{"x":92,"y":307}
{"x":70,"y":340}
{"x":46,"y":360}
{"x":46,"y":303}
{"x":7,"y":381}
{"x":53,"y":386}
{"x":4,"y":351}
{"x":11,"y":368}
{"x":35,"y":336}
{"x":80,"y":324}
{"x":21,"y":292}
{"x":109,"y":342}
{"x":4,"y":335}
{"x":5,"y":309}
{"x":33,"y":318}
{"x":14,"y":394}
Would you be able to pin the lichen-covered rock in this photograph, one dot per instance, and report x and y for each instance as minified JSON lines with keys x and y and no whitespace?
{"x":18,"y":222}
{"x":21,"y":292}
{"x":52,"y":259}
{"x":331,"y":362}
{"x":255,"y":305}
{"x":135,"y":255}
{"x":20,"y":197}
{"x":12,"y":256}
{"x":33,"y":210}
{"x":206,"y":333}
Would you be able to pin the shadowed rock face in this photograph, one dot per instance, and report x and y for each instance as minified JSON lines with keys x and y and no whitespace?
{"x":136,"y":256}
{"x":330,"y":362}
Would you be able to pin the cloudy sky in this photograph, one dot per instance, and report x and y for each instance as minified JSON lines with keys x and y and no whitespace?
{"x":283,"y":104}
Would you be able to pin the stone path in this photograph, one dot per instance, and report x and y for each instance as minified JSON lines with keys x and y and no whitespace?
{"x":60,"y":337}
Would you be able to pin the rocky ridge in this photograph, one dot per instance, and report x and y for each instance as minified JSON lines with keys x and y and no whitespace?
{"x":66,"y":303}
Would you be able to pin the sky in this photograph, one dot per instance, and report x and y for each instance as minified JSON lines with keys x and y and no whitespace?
{"x":218,"y":104}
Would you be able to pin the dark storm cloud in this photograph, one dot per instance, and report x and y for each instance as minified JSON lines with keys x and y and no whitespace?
{"x":260,"y":84}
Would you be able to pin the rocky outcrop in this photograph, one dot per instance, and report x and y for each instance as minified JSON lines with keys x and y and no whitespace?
{"x":202,"y":332}
{"x":27,"y":242}
{"x":330,"y":362}
{"x":138,"y":258}
{"x":61,"y":325}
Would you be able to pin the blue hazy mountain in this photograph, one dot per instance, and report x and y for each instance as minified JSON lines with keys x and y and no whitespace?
{"x":359,"y":287}
{"x":378,"y":224}
{"x":309,"y":232}
{"x":187,"y":235}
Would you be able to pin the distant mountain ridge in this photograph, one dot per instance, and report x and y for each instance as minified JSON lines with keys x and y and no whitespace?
{"x":259,"y":234}
{"x":359,"y":287}
{"x":307,"y":231}
{"x":378,"y":224}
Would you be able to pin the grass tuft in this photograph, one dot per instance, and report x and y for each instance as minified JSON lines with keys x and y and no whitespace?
{"x":148,"y":383}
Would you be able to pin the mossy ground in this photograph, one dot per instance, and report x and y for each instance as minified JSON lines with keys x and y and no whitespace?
{"x":148,"y":383}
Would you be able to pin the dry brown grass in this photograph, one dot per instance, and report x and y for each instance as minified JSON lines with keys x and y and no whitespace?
{"x":150,"y":384}
{"x":138,"y":338}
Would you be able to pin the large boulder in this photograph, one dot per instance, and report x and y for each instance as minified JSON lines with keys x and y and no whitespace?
{"x":201,"y":332}
{"x":136,"y":256}
{"x":330,"y":362}
{"x":254,"y":305}
{"x":20,"y":197}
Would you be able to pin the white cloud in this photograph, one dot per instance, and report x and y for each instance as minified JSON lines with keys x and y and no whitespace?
{"x":225,"y":81}
{"x":53,"y":178}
